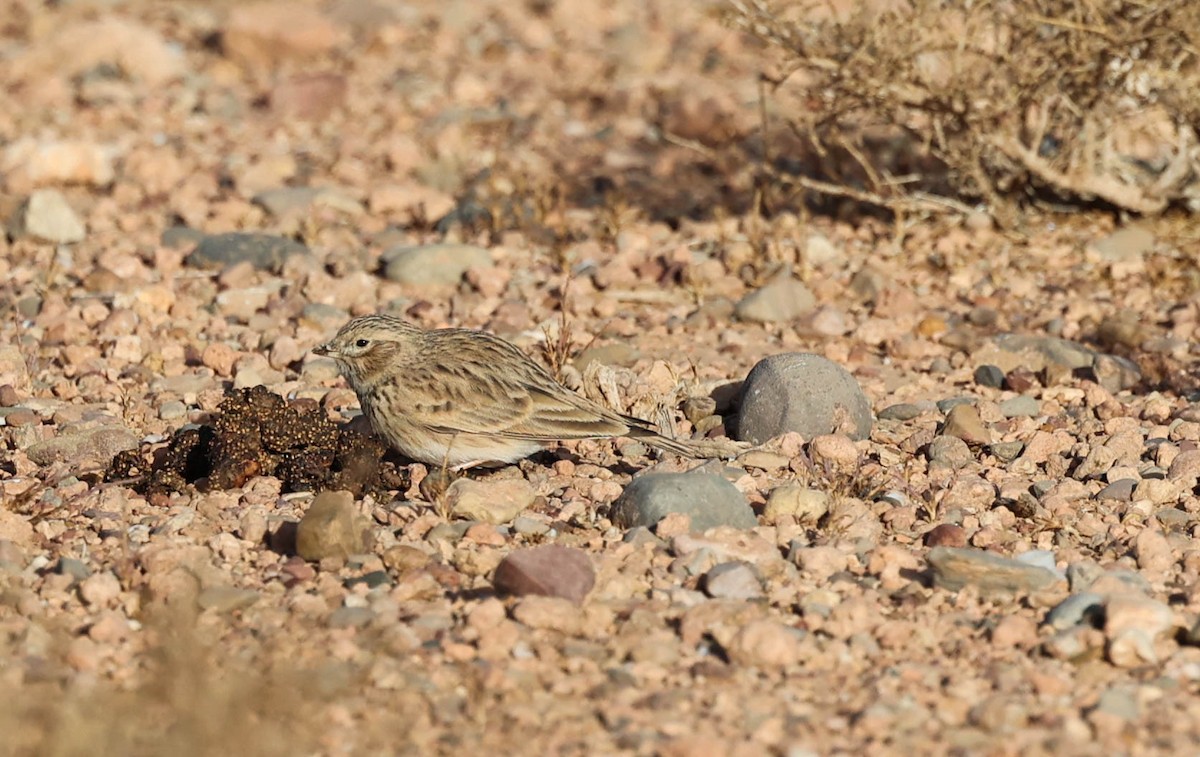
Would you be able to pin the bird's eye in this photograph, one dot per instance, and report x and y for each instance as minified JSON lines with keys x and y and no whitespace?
{"x":362,"y":343}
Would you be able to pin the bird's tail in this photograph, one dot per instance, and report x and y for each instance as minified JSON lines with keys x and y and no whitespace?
{"x":695,"y":448}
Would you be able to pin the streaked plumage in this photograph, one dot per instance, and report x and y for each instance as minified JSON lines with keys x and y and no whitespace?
{"x":461,"y":397}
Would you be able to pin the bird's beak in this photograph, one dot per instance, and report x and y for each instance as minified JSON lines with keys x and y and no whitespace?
{"x":322,"y":349}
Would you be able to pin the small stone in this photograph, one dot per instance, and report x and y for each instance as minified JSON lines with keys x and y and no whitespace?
{"x":950,"y":451}
{"x":964,"y":422}
{"x":402,"y":558}
{"x":1120,"y":490}
{"x":1153,"y":552}
{"x":696,"y":409}
{"x":806,"y":505}
{"x":733,"y":580}
{"x":805,"y":393}
{"x":527,"y":526}
{"x":489,"y":501}
{"x":263,"y":251}
{"x":434,"y":264}
{"x":548,"y":570}
{"x":86,"y":446}
{"x":785,"y":298}
{"x":767,"y":644}
{"x":76,"y":569}
{"x":708,"y":499}
{"x":946,"y":535}
{"x":351,"y":617}
{"x":223,"y":599}
{"x":990,"y":376}
{"x":310,"y":96}
{"x":9,"y":396}
{"x":1132,"y":624}
{"x":954,"y":568}
{"x":100,"y":589}
{"x":332,"y":527}
{"x":172,"y":410}
{"x":616,"y":353}
{"x":1022,"y":406}
{"x":904,"y":411}
{"x":1006,"y":452}
{"x":1083,"y":608}
{"x":48,"y":216}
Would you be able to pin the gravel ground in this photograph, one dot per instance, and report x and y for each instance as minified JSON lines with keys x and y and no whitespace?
{"x":974,"y":535}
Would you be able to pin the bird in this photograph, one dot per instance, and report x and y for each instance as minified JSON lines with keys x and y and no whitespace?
{"x":460,"y":398}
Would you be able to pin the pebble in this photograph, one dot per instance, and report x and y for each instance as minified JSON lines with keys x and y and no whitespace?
{"x":1120,"y":490}
{"x":433,"y":264}
{"x":527,"y":526}
{"x":946,"y":535}
{"x":1153,"y":552}
{"x":954,"y":568}
{"x":76,"y":569}
{"x":1082,"y":608}
{"x":949,"y":451}
{"x":100,"y":589}
{"x":784,"y":298}
{"x":963,"y":421}
{"x":1021,"y":406}
{"x":489,"y":501}
{"x":733,"y":580}
{"x":95,"y":445}
{"x":331,"y":527}
{"x":48,"y":216}
{"x":616,"y":353}
{"x":805,"y":393}
{"x":263,"y":251}
{"x":548,"y":570}
{"x":708,"y":499}
{"x":806,"y":505}
{"x":904,"y":411}
{"x":223,"y":599}
{"x":766,"y":644}
{"x":1006,"y":452}
{"x":990,"y":376}
{"x":1132,"y":624}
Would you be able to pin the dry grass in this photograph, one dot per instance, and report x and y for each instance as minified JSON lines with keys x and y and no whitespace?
{"x":923,"y":104}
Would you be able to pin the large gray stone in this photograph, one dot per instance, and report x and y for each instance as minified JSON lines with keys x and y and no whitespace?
{"x":707,"y":498}
{"x":804,"y":393}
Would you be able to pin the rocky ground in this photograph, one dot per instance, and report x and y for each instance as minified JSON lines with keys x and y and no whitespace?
{"x":967,"y":528}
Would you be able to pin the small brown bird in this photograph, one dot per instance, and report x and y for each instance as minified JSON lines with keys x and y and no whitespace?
{"x":460,"y":397}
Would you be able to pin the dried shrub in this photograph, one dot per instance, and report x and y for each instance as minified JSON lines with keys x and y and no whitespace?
{"x":925,"y":103}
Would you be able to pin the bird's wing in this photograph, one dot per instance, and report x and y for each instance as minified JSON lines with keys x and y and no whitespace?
{"x":484,"y":385}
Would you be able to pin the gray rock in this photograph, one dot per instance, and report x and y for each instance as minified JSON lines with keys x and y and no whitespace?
{"x":1053,"y":350}
{"x":263,"y":251}
{"x":1006,"y":452}
{"x":784,"y":298}
{"x":283,"y":201}
{"x":949,"y":403}
{"x":905,"y":411}
{"x":91,"y":445}
{"x":47,"y":216}
{"x":804,"y":393}
{"x":1120,"y":490}
{"x":548,"y":570}
{"x":76,"y":569}
{"x":1120,"y":702}
{"x":954,"y":568}
{"x":332,"y":527}
{"x":950,"y":451}
{"x":1115,"y":373}
{"x":433,"y":263}
{"x":709,"y":499}
{"x":177,"y":237}
{"x":989,"y":376}
{"x":1077,"y":609}
{"x":1022,"y":406}
{"x":733,"y":580}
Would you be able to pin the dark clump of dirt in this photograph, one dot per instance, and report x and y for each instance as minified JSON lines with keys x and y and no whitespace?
{"x":258,"y":433}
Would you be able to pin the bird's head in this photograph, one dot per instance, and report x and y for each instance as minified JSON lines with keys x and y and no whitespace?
{"x":369,"y":346}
